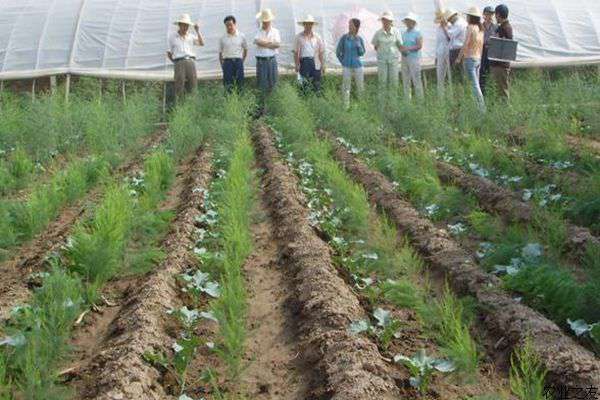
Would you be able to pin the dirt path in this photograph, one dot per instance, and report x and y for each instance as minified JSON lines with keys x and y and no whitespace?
{"x":345,"y":366}
{"x":115,"y":368}
{"x":567,"y":362}
{"x":15,"y":287}
{"x":274,"y":369}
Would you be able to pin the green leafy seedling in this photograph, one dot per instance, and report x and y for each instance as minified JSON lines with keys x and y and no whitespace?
{"x":389,"y":333}
{"x":185,"y":350}
{"x":527,"y":374}
{"x":388,"y":325}
{"x":422,"y":367}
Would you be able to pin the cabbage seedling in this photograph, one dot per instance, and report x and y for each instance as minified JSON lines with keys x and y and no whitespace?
{"x":422,"y":367}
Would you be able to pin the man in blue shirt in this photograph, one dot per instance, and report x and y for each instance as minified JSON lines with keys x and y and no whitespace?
{"x":411,"y":57}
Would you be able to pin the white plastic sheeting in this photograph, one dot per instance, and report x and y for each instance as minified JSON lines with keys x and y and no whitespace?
{"x":128,"y":38}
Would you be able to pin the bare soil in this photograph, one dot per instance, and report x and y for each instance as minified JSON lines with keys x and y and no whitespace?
{"x":489,"y":380}
{"x":116,"y":369}
{"x":511,"y":322}
{"x":274,"y":369}
{"x":578,"y":142}
{"x":345,"y":366}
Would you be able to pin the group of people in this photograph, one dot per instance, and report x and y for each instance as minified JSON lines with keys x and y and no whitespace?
{"x":461,"y":45}
{"x":467,"y":42}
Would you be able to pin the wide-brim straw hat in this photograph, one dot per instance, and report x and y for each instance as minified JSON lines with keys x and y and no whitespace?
{"x":265,"y":15}
{"x":184,"y":19}
{"x":309,"y":19}
{"x":474,"y":12}
{"x":411,"y":16}
{"x":387,"y":15}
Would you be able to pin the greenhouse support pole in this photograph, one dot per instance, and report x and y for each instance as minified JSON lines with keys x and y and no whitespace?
{"x":67,"y":87}
{"x":164,"y":99}
{"x":53,"y":84}
{"x":33,"y":89}
{"x":123,"y":91}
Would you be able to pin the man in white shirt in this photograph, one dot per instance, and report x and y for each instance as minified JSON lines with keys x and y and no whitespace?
{"x":442,"y":51}
{"x":182,"y":53}
{"x":309,"y":52}
{"x":267,"y":41}
{"x":457,"y":32}
{"x":233,"y":50}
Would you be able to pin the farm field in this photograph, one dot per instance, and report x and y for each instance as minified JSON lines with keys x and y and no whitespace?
{"x":393,"y":250}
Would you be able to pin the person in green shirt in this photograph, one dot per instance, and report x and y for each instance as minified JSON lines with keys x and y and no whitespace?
{"x":387,"y":42}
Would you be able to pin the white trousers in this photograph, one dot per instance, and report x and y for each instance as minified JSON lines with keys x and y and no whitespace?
{"x":411,"y":75}
{"x":443,"y":71}
{"x":388,"y":73}
{"x":359,"y":79}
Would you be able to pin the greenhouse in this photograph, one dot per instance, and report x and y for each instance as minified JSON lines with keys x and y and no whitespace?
{"x":128,"y":38}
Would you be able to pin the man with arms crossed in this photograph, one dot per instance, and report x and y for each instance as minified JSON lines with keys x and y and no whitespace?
{"x":267,"y":41}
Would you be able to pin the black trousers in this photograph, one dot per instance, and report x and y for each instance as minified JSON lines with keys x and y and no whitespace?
{"x":310,"y":73}
{"x":233,"y":73}
{"x":457,"y":68}
{"x":484,"y":71}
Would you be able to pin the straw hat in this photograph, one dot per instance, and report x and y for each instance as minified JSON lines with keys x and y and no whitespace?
{"x":450,"y":13}
{"x":411,"y":16}
{"x":309,"y":19}
{"x":265,"y":15}
{"x":184,"y":19}
{"x":387,"y":15}
{"x":474,"y":12}
{"x":439,"y":14}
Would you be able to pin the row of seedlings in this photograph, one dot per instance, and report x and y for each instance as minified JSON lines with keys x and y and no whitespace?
{"x":387,"y":275}
{"x":108,"y":132}
{"x":508,"y":322}
{"x":34,"y":149}
{"x":214,"y":288}
{"x":121,"y":238}
{"x":543,"y":172}
{"x":515,"y":251}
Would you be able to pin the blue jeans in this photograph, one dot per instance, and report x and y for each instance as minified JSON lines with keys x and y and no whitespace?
{"x":472,"y":66}
{"x":233,"y":73}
